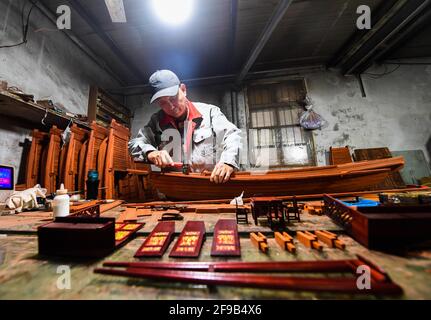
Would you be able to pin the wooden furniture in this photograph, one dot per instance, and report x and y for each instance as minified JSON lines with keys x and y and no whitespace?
{"x":119,"y":170}
{"x":51,"y":180}
{"x":96,"y":152}
{"x":226,"y":240}
{"x":269,"y":207}
{"x":189,"y":243}
{"x":73,"y":174}
{"x":77,"y":237}
{"x":285,"y":241}
{"x":102,"y":108}
{"x":158,"y":241}
{"x":260,"y":241}
{"x":339,"y":155}
{"x":36,"y":158}
{"x":244,"y":274}
{"x":86,"y":209}
{"x":393,"y":180}
{"x":330,"y":239}
{"x":356,"y":176}
{"x":309,"y":240}
{"x":241,"y":214}
{"x":382,"y":227}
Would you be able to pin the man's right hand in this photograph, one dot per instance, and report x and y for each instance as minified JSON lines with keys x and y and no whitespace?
{"x":160,"y":158}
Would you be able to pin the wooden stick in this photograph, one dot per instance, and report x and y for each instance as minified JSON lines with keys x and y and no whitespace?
{"x":285,"y":241}
{"x":309,"y":240}
{"x":340,"y":284}
{"x":330,"y":239}
{"x":260,"y":241}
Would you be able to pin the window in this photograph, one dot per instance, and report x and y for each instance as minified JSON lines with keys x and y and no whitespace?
{"x":274,"y":130}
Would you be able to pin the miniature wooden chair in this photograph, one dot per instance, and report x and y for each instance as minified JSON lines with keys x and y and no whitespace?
{"x":50,"y":181}
{"x":39,"y":143}
{"x":241,"y":214}
{"x":96,"y":152}
{"x":118,"y":161}
{"x":339,"y":155}
{"x":73,"y":176}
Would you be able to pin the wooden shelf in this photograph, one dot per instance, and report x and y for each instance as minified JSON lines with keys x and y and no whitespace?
{"x":103,"y":108}
{"x":14,"y":107}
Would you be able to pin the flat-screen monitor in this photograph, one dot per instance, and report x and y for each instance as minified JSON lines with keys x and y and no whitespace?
{"x":6,"y":182}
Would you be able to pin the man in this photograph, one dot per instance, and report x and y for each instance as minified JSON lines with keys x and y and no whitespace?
{"x":208,"y":139}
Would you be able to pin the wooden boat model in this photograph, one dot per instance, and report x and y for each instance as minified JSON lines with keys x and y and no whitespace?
{"x":349,"y":177}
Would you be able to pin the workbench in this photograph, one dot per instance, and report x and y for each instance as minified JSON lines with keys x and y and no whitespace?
{"x":26,"y":275}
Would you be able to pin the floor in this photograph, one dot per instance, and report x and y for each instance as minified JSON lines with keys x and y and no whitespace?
{"x":25,"y":275}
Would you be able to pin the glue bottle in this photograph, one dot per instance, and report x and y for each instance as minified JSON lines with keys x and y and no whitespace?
{"x":60,"y":204}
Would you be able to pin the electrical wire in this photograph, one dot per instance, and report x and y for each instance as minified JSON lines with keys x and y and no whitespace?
{"x":25,"y":25}
{"x":385,"y":73}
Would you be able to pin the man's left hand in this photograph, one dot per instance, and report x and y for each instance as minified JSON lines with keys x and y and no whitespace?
{"x":221,"y":173}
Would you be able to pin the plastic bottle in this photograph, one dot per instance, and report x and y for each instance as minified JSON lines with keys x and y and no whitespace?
{"x":60,"y":204}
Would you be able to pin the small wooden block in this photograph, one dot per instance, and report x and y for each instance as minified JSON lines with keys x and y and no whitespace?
{"x":330,"y":239}
{"x":260,"y":241}
{"x":309,"y":240}
{"x":285,"y":241}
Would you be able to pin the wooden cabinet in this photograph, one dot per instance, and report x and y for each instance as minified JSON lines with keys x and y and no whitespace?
{"x":102,"y":108}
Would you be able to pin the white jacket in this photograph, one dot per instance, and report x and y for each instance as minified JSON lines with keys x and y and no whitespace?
{"x":215,"y":139}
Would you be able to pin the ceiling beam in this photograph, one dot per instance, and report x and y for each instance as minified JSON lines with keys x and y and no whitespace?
{"x":233,"y":22}
{"x":116,"y":10}
{"x":91,"y":21}
{"x":272,"y":23}
{"x":361,"y":54}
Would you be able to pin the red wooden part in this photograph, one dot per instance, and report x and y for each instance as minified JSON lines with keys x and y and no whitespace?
{"x":126,"y":232}
{"x":190,"y":242}
{"x":339,"y":284}
{"x":226,"y":240}
{"x":356,"y":176}
{"x":158,"y":241}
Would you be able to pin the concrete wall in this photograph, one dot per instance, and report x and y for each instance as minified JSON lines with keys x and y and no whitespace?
{"x":49,"y":66}
{"x":396,"y":112}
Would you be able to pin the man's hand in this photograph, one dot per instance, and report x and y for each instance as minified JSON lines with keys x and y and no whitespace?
{"x":160,"y":158}
{"x":221,"y":173}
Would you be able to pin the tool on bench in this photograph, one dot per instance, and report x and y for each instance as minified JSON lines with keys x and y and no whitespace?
{"x":285,"y":241}
{"x":260,"y":241}
{"x":329,"y":238}
{"x":309,"y":240}
{"x":170,"y":216}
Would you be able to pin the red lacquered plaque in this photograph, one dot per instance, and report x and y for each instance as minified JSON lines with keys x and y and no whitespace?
{"x":226,"y":240}
{"x":158,"y":241}
{"x":190,"y":242}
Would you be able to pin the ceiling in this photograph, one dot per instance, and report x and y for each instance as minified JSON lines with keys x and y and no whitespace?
{"x":222,"y":34}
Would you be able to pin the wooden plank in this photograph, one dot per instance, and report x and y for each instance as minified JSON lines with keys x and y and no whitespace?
{"x":190,"y":242}
{"x":158,"y":241}
{"x":226,"y":240}
{"x":128,"y":215}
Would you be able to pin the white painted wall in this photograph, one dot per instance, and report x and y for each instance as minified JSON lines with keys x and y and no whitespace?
{"x":396,"y":112}
{"x":49,"y":66}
